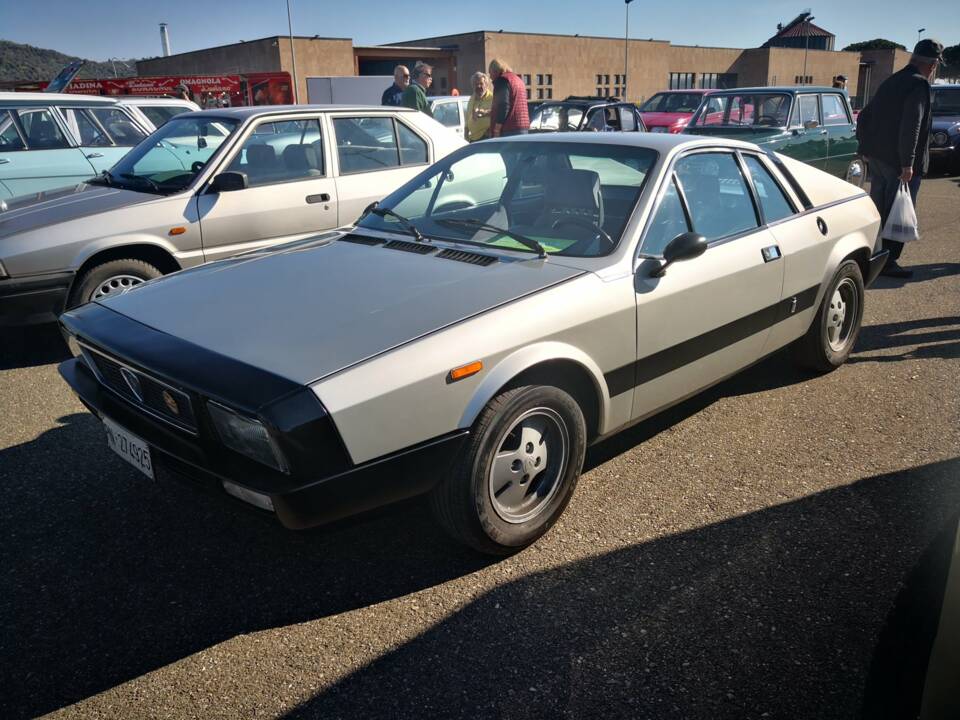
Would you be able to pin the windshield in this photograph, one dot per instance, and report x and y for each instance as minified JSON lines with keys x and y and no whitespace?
{"x":946,"y":102}
{"x":572,"y":198}
{"x":168,"y":160}
{"x":744,"y":110}
{"x":557,"y":117}
{"x":673,"y":103}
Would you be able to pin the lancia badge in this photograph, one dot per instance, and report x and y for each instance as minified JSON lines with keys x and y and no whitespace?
{"x":170,"y":402}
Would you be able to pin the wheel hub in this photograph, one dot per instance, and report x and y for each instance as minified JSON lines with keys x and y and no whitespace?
{"x":841,"y":313}
{"x":115,"y":285}
{"x":530,"y":460}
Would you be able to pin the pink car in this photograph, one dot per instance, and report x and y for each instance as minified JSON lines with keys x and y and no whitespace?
{"x":670,"y":111}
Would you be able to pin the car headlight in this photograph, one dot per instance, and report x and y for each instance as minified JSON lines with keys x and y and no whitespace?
{"x":247,"y":436}
{"x":72,"y":345}
{"x":940,"y":138}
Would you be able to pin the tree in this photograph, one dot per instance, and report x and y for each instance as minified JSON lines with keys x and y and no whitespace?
{"x":875,"y":44}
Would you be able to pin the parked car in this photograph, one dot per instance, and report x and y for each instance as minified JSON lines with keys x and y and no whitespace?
{"x":50,"y":140}
{"x":153,"y":112}
{"x":471,"y":335}
{"x":945,"y":133}
{"x":451,"y":111}
{"x":670,"y":111}
{"x":204,"y":186}
{"x":812,"y":124}
{"x":586,"y":114}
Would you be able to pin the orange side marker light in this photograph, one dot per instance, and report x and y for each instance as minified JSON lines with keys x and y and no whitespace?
{"x":465,"y":371}
{"x":180,"y":230}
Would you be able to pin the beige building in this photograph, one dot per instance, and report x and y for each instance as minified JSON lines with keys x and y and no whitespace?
{"x":553,"y":66}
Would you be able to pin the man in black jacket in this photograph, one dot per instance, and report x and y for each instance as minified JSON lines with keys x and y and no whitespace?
{"x":894,"y":131}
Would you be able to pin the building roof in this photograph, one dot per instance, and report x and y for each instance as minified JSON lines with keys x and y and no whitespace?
{"x":800,"y":26}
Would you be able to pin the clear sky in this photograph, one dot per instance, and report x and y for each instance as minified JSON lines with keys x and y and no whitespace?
{"x":99,"y":29}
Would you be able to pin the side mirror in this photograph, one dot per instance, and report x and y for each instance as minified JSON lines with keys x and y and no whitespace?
{"x":229,"y":181}
{"x":810,"y":125}
{"x":683,"y":247}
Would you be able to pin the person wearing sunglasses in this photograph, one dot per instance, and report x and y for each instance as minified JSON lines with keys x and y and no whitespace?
{"x":393,"y":95}
{"x":415,"y":95}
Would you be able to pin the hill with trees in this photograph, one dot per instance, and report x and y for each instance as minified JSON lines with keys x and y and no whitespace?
{"x":26,"y":62}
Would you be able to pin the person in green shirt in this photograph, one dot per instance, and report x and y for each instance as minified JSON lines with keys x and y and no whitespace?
{"x":478,"y":109}
{"x":415,"y":94}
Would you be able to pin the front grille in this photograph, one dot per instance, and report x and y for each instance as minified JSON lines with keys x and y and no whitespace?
{"x":158,"y":398}
{"x":467,"y":257}
{"x":419,"y":248}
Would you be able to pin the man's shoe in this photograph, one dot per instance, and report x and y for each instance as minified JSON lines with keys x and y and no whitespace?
{"x":892,"y":269}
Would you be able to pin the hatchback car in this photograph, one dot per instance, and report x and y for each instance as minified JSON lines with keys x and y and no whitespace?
{"x":49,"y":141}
{"x":945,"y":133}
{"x":811,"y":124}
{"x":471,"y":335}
{"x":595,"y":114}
{"x":670,"y":111}
{"x":451,"y":111}
{"x":204,"y":186}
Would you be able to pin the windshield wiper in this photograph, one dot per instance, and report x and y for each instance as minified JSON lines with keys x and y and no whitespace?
{"x":104,"y":178}
{"x":480,"y":225}
{"x":408,"y":226}
{"x":143,"y":179}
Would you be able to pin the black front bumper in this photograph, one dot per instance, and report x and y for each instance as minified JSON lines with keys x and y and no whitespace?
{"x":298,"y":502}
{"x":33,"y":299}
{"x":875,"y":266}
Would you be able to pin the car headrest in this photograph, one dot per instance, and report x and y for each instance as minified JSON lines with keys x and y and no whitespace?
{"x":301,"y":157}
{"x":576,"y":191}
{"x":261,"y":155}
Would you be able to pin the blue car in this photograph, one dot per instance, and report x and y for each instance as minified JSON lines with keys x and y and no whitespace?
{"x":945,"y":133}
{"x":50,"y":140}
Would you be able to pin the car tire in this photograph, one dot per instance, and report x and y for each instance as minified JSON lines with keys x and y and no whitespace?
{"x":830,"y":339}
{"x":501,"y":507}
{"x":111,"y":277}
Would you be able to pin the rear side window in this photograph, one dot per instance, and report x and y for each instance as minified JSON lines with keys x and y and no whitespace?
{"x":365,"y":144}
{"x":834,"y":110}
{"x":447,"y":114}
{"x":628,"y":121}
{"x":773,"y":201}
{"x":86,"y":128}
{"x":807,"y":110}
{"x":413,"y":149}
{"x":9,"y":135}
{"x":42,"y":131}
{"x":717,"y":195}
{"x":120,"y":127}
{"x":160,"y":114}
{"x":280,"y":152}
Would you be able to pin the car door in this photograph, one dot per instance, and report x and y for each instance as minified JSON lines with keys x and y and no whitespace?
{"x":447,"y":113}
{"x":841,"y":133}
{"x":37,"y":153}
{"x":290,"y":192}
{"x":703,"y":319}
{"x":375,"y":154}
{"x":106,"y":134}
{"x":808,"y":139}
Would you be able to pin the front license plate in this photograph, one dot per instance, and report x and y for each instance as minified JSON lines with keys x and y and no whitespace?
{"x":131,"y":448}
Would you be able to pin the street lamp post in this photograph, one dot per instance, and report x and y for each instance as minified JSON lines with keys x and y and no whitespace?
{"x":626,"y":46}
{"x":293,"y":54}
{"x":920,"y":32}
{"x":806,"y":46}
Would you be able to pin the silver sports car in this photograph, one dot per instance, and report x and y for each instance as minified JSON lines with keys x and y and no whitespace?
{"x":479,"y":328}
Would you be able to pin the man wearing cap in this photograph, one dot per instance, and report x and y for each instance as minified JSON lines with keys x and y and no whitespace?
{"x":894,"y":130}
{"x":840,"y":82}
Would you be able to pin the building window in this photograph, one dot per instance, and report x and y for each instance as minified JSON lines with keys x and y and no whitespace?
{"x":549,"y":79}
{"x":606,"y":79}
{"x":718,"y":81}
{"x":539,"y":79}
{"x":528,"y":93}
{"x":599,"y":79}
{"x":549,"y":93}
{"x":526,"y":79}
{"x":540,"y":93}
{"x":682,"y":81}
{"x":803,"y":79}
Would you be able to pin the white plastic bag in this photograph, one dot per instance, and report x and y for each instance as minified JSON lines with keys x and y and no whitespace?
{"x":902,"y":221}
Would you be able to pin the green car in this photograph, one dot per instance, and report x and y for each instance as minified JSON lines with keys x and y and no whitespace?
{"x":812,"y":124}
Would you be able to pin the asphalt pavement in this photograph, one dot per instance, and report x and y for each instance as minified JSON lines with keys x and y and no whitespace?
{"x":741,"y":556}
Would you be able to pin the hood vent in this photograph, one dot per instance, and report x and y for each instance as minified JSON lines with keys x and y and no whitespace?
{"x":418,"y":248}
{"x":468,"y":257}
{"x":362,"y":240}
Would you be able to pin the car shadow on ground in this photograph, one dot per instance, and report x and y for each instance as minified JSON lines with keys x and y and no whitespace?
{"x":931,"y":271}
{"x":31,"y":346}
{"x":771,"y":614}
{"x":112,"y":576}
{"x":934,"y":338}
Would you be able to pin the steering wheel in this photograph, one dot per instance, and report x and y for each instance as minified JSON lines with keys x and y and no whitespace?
{"x":583,"y":222}
{"x":196,"y":166}
{"x":771,"y":120}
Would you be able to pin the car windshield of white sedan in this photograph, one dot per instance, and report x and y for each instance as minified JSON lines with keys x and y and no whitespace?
{"x":744,"y":110}
{"x":168,"y":160}
{"x":572,"y":198}
{"x":559,"y":117}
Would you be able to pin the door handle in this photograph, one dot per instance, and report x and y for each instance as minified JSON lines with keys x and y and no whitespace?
{"x":94,"y":155}
{"x":771,"y":253}
{"x":321,"y":197}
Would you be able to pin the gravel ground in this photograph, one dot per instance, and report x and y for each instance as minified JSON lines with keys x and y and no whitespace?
{"x":737,"y":557}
